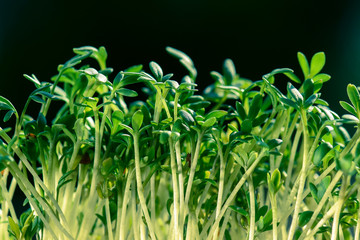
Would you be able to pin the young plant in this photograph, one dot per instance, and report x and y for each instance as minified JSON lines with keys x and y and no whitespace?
{"x":242,"y":160}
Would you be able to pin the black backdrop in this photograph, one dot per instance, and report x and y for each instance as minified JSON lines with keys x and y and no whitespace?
{"x":259,"y":35}
{"x":36,"y":36}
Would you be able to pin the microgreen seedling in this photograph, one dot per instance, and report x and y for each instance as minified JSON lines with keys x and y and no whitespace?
{"x":242,"y":160}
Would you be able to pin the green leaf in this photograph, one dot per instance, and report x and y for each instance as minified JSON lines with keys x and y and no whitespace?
{"x":246,"y":126}
{"x":198,"y":105}
{"x":346,"y":164}
{"x":308,"y":86}
{"x":323,"y":186}
{"x":276,"y":180}
{"x":348,"y":108}
{"x":127,"y":92}
{"x":317,"y":63}
{"x":295,"y":94}
{"x":273,"y":143}
{"x":354,"y":96}
{"x":320,"y":153}
{"x":8,"y":115}
{"x":260,"y":120}
{"x":255,"y":106}
{"x":185,"y":60}
{"x":240,"y":110}
{"x":6,"y":104}
{"x":289,"y":102}
{"x":323,"y":77}
{"x":292,"y":76}
{"x":172,"y":84}
{"x":216,"y":114}
{"x":314,"y":192}
{"x":304,"y":218}
{"x":188,"y":118}
{"x":156,"y":70}
{"x":209,"y":122}
{"x":33,"y":79}
{"x":14,"y":228}
{"x":240,"y":210}
{"x":303,"y":64}
{"x":310,"y":101}
{"x":229,"y":71}
{"x":164,"y":136}
{"x":137,"y":120}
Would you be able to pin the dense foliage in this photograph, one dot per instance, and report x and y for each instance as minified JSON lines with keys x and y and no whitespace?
{"x":242,"y":160}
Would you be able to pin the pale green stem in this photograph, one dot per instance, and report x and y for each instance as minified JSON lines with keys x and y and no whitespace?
{"x":234,"y":193}
{"x":299,"y":198}
{"x":341,"y":200}
{"x":252,"y":208}
{"x":152,"y":199}
{"x":108,"y":219}
{"x":274,"y":216}
{"x":224,"y":225}
{"x":135,"y":224}
{"x":177,"y":232}
{"x":321,"y":203}
{"x":8,"y":201}
{"x":328,"y":214}
{"x":140,"y":189}
{"x":293,"y":151}
{"x":124,"y":204}
{"x":181,"y":185}
{"x":357,"y":229}
{"x":221,"y":181}
{"x":192,"y":169}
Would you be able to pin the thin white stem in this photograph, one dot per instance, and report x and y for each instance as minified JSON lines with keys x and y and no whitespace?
{"x":252,"y":208}
{"x":341,"y":200}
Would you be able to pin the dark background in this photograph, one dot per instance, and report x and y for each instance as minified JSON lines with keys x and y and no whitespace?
{"x":36,"y":36}
{"x":259,"y":35}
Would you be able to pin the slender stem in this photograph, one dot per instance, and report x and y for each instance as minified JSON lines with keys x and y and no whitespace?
{"x":357,"y":229}
{"x":341,"y":200}
{"x":175,"y":190}
{"x":274,"y":216}
{"x":234,"y":192}
{"x":252,"y":208}
{"x":221,"y":181}
{"x":124,"y":204}
{"x":299,"y":198}
{"x":135,"y":224}
{"x":321,"y":203}
{"x":140,"y":189}
{"x":193,"y":168}
{"x":108,"y":219}
{"x":294,"y":148}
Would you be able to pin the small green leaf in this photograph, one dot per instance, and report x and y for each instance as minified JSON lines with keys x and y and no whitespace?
{"x":156,"y":70}
{"x":127,"y":92}
{"x":255,"y":106}
{"x":137,"y":120}
{"x":229,"y":71}
{"x":164,"y":136}
{"x":240,"y":110}
{"x":346,"y":164}
{"x":276,"y":180}
{"x":8,"y":115}
{"x":198,"y":105}
{"x":348,"y":108}
{"x":6,"y":104}
{"x":240,"y":210}
{"x":354,"y":96}
{"x":33,"y":79}
{"x":14,"y":228}
{"x":216,"y":114}
{"x":246,"y":126}
{"x":323,"y":77}
{"x":314,"y":192}
{"x":209,"y":122}
{"x":310,"y":101}
{"x":273,"y":143}
{"x":295,"y":94}
{"x":185,"y":60}
{"x":320,"y":153}
{"x":303,"y":64}
{"x":317,"y":63}
{"x":308,"y":86}
{"x":289,"y":102}
{"x":188,"y":118}
{"x":292,"y":76}
{"x":304,"y":218}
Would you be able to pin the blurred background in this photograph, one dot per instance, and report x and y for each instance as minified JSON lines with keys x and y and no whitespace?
{"x":259,"y":35}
